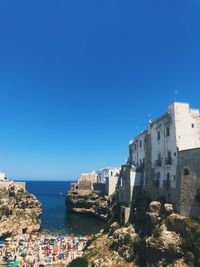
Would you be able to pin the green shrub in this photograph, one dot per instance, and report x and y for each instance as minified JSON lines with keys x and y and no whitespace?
{"x":157,"y":232}
{"x":198,"y":194}
{"x":79,"y":262}
{"x":189,"y":258}
{"x":127,"y":239}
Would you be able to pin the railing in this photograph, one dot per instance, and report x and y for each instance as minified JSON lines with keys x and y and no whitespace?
{"x":168,"y":161}
{"x":158,"y":163}
{"x":157,"y":183}
{"x":167,"y":183}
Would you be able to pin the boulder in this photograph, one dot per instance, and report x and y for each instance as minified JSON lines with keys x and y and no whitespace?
{"x":168,"y":208}
{"x":155,"y":207}
{"x":167,"y":246}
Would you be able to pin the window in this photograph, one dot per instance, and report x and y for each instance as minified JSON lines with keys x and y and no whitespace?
{"x":167,"y":131}
{"x":186,"y":171}
{"x":192,"y":125}
{"x":169,"y":155}
{"x":140,"y":143}
{"x":158,"y":135}
{"x":135,"y":147}
{"x":168,"y":176}
{"x":168,"y":160}
{"x":111,"y":173}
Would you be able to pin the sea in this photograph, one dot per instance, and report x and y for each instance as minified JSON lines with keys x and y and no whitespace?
{"x":55,"y":217}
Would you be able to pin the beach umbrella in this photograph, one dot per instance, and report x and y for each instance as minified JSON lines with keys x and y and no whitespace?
{"x":8,"y":239}
{"x":47,"y":259}
{"x":55,"y":249}
{"x":61,"y":256}
{"x":19,"y":259}
{"x":12,"y":246}
{"x":1,"y":242}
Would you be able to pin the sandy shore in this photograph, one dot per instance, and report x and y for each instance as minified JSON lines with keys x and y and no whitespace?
{"x":42,"y":249}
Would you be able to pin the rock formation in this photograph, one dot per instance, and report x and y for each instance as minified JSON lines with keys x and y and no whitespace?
{"x":89,"y":203}
{"x":162,"y":238}
{"x":19,"y":212}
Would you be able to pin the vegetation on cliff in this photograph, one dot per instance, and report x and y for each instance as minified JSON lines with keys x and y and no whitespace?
{"x":156,"y":236}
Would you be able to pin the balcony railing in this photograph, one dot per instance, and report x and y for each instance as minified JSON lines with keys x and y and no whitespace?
{"x":167,"y":183}
{"x":168,"y":161}
{"x":158,"y":163}
{"x":157,"y":183}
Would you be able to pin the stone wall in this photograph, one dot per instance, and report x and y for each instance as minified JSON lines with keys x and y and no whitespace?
{"x":188,"y":181}
{"x":100,"y":188}
{"x":18,"y":185}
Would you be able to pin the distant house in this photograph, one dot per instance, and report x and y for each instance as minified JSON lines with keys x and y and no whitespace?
{"x":109,"y":176}
{"x":2,"y":176}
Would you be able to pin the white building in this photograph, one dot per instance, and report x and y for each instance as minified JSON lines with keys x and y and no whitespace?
{"x":157,"y":154}
{"x":2,"y":176}
{"x":105,"y":173}
{"x":108,"y":176}
{"x":178,"y":129}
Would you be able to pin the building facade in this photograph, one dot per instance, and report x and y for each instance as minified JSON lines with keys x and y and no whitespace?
{"x":2,"y":176}
{"x":90,"y":176}
{"x":155,"y":153}
{"x":103,"y":174}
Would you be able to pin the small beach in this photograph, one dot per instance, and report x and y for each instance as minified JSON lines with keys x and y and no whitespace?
{"x":41,"y":249}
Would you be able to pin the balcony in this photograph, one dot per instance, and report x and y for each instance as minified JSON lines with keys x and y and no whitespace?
{"x":158,"y":163}
{"x":140,"y":167}
{"x":168,"y":161}
{"x":167,"y":183}
{"x":157,"y":183}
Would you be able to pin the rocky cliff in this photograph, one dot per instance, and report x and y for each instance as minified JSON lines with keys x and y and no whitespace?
{"x":90,"y":203}
{"x":158,"y":237}
{"x":19,"y":212}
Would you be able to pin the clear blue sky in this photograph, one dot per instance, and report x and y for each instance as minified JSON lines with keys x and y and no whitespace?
{"x":78,"y":78}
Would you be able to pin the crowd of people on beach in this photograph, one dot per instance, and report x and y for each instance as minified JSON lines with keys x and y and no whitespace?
{"x":40,"y":249}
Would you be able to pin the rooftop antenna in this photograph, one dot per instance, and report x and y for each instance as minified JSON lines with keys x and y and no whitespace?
{"x":149,"y":118}
{"x":175,"y":95}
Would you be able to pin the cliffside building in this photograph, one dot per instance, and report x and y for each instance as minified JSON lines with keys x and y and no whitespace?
{"x":87,"y":180}
{"x":108,"y":176}
{"x":166,"y":158}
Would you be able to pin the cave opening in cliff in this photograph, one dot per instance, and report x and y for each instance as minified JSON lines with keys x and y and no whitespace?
{"x":24,"y":231}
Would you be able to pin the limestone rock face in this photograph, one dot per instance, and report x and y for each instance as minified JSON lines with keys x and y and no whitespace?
{"x":155,"y":207}
{"x":168,"y":208}
{"x":90,"y":204}
{"x":165,"y":246}
{"x":19,"y":212}
{"x":123,"y":243}
{"x":176,"y":223}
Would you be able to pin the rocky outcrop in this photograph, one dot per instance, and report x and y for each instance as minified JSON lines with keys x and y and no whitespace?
{"x":19,"y":212}
{"x":163,"y":246}
{"x":89,"y":203}
{"x":169,"y":240}
{"x":124,"y":240}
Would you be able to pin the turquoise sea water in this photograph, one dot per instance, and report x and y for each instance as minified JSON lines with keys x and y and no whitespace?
{"x":54,"y":216}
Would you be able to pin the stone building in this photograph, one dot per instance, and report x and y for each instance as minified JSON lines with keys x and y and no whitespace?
{"x":103,"y":174}
{"x":108,"y":176}
{"x":157,"y":155}
{"x":90,"y":176}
